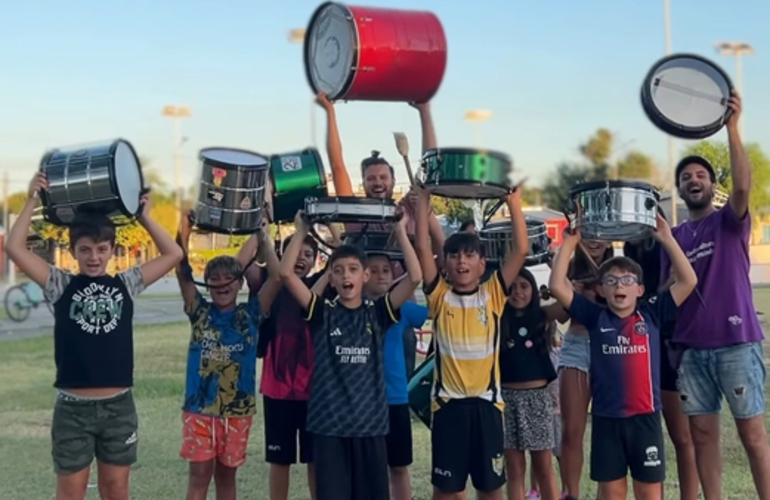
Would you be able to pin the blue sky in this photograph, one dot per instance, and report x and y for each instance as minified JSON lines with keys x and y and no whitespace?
{"x":551,"y":72}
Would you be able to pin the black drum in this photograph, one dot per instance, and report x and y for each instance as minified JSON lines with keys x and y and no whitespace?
{"x":232,"y":191}
{"x":376,"y":243}
{"x":103,"y":177}
{"x":686,"y":96}
{"x":497,"y":238}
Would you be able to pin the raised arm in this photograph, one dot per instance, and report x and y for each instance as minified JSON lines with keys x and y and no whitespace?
{"x":28,"y":261}
{"x":249,"y":248}
{"x":340,"y":177}
{"x":184,"y":274}
{"x":290,"y":280}
{"x":426,"y":121}
{"x":514,"y":259}
{"x":170,"y":253}
{"x":557,"y":283}
{"x":684,"y":275}
{"x":422,"y":237}
{"x":740,"y":169}
{"x":268,"y":291}
{"x":405,"y":288}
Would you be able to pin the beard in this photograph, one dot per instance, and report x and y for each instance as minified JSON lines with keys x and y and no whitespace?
{"x":388,"y":194}
{"x":698,"y":204}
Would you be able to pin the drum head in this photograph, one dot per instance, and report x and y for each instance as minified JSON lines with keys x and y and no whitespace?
{"x":233,"y":157}
{"x":469,"y":191}
{"x":686,"y":96}
{"x":330,"y":50}
{"x":128,"y":177}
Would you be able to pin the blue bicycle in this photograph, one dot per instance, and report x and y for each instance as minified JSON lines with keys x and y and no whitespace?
{"x":22,"y":298}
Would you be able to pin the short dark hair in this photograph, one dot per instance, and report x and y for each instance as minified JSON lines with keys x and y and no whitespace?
{"x":309,"y":241}
{"x":624,"y":264}
{"x":96,"y":226}
{"x":225,"y":264}
{"x":463,"y":242}
{"x":376,"y":159}
{"x":344,"y":251}
{"x":698,"y":160}
{"x":467,"y":223}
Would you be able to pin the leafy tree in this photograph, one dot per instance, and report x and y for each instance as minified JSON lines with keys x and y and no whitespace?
{"x":718,"y":154}
{"x":598,"y":148}
{"x":556,"y":189}
{"x":635,"y":165}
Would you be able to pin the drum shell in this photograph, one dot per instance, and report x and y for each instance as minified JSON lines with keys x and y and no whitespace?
{"x":398,"y":55}
{"x":83,"y":180}
{"x":289,"y":188}
{"x":497,"y":238}
{"x":419,"y":390}
{"x":466,"y":173}
{"x":377,"y":243}
{"x":352,"y":209}
{"x":232,"y":203}
{"x":615,"y":210}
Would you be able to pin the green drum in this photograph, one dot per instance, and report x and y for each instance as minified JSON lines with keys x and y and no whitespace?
{"x":295,"y":176}
{"x":467,"y":173}
{"x":419,"y":388}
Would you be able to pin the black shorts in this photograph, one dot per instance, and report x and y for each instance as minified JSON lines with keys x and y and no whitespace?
{"x":284,"y":419}
{"x":620,"y":444}
{"x":668,"y":375}
{"x":467,"y":438}
{"x":399,"y":440}
{"x":351,"y":468}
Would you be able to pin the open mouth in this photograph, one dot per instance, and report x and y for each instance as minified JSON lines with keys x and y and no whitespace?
{"x":299,"y":267}
{"x":347,"y":286}
{"x":379,"y":191}
{"x":220,"y":292}
{"x":620,"y":297}
{"x":462,"y":271}
{"x":695,"y":191}
{"x":92,"y":268}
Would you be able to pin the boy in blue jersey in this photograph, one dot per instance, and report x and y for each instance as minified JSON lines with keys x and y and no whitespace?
{"x":397,"y":340}
{"x":220,"y":388}
{"x":625,"y":364}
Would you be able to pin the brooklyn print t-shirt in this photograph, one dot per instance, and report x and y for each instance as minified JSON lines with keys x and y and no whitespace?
{"x":348,"y":385}
{"x":93,"y":340}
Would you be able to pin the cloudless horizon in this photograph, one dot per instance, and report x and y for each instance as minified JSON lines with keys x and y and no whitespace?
{"x":551,"y":72}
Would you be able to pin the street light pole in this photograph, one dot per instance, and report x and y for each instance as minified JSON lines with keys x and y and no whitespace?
{"x":176,"y":113}
{"x":475,"y":117}
{"x":669,"y":138}
{"x":737,"y":50}
{"x":297,"y":36}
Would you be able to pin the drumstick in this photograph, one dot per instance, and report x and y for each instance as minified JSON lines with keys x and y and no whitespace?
{"x":402,"y":145}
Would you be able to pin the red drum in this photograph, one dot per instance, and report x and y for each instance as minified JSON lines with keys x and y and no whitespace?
{"x":373,"y":54}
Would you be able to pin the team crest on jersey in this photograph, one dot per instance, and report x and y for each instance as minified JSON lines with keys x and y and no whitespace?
{"x":640,"y":327}
{"x":497,"y":465}
{"x":482,"y":315}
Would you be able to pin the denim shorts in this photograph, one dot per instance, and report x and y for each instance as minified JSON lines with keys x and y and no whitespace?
{"x":737,"y":372}
{"x":575,"y":352}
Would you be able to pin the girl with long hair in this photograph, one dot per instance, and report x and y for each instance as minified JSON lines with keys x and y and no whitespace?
{"x":526,"y":369}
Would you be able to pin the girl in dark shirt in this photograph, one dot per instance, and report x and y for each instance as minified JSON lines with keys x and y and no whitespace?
{"x":526,"y":369}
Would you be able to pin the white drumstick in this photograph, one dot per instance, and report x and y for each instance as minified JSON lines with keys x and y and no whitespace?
{"x":402,"y":145}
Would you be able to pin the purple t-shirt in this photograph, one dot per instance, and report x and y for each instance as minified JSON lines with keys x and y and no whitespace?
{"x":720,"y":311}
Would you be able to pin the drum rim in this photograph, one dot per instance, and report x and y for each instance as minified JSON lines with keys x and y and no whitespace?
{"x":669,"y":126}
{"x":114,"y":185}
{"x":615,"y":183}
{"x":319,"y":164}
{"x":432,"y":186}
{"x":499,"y":155}
{"x":233,"y":165}
{"x":345,"y":87}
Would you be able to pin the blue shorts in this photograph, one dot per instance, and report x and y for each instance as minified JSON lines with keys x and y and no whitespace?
{"x":737,"y":372}
{"x":575,"y":352}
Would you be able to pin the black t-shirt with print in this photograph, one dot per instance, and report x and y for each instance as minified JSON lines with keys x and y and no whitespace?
{"x":93,"y":333}
{"x":347,"y":397}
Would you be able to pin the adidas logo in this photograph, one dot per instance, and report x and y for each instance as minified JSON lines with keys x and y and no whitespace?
{"x":336,"y":333}
{"x":131,"y":439}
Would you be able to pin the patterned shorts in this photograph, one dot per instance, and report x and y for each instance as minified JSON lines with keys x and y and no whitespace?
{"x":205,"y":438}
{"x":528,"y":419}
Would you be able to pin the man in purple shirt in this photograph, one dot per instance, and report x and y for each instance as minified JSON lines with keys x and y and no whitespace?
{"x":717,"y":328}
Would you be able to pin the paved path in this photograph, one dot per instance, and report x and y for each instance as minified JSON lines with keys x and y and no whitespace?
{"x":160,"y":303}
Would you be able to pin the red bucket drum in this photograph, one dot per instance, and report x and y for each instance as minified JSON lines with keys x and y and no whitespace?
{"x":372,"y":54}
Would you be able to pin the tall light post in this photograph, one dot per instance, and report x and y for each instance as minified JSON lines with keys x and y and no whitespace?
{"x":176,"y":113}
{"x":475,"y":117}
{"x":737,"y":50}
{"x":296,"y":36}
{"x":669,"y":138}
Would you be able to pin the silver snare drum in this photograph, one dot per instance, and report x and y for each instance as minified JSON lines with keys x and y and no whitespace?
{"x":350,"y":209}
{"x":497,"y":238}
{"x":376,"y":243}
{"x":102,"y":177}
{"x":232,"y":191}
{"x":614,"y":210}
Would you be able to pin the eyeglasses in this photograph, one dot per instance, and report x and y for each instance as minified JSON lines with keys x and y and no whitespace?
{"x":625,"y":280}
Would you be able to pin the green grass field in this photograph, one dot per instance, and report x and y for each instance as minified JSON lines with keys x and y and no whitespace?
{"x":26,"y":375}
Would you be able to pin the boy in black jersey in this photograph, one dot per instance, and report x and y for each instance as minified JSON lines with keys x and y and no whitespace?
{"x":93,"y":345}
{"x":347,"y":410}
